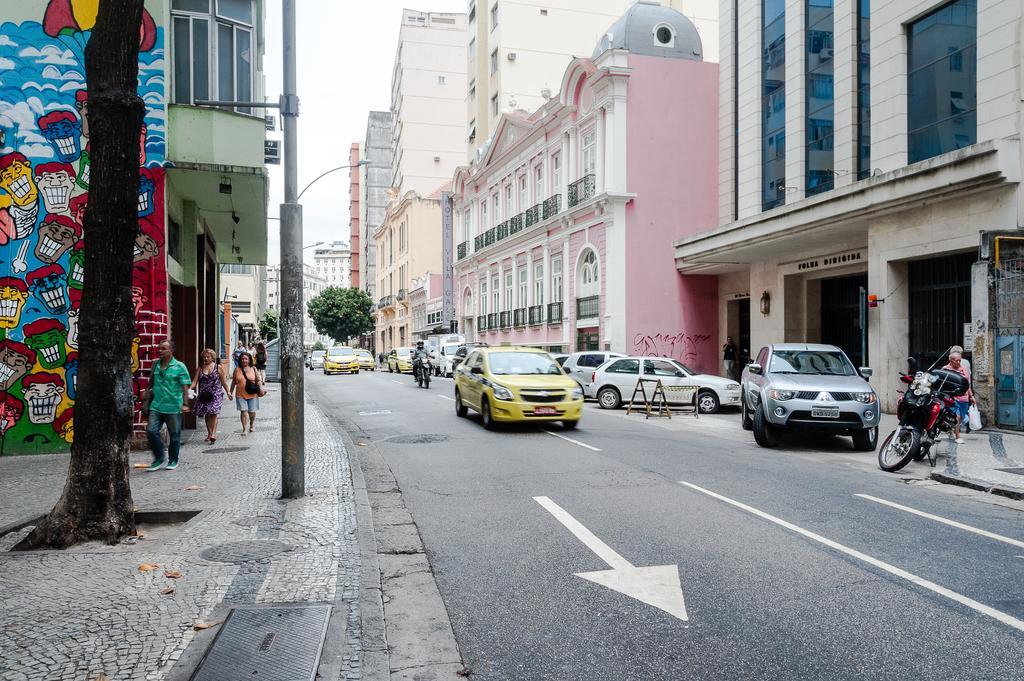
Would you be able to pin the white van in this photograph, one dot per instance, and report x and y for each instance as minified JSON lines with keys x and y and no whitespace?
{"x":447,"y":345}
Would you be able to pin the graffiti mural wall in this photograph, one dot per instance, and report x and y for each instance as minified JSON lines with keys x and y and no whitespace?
{"x":44,"y":189}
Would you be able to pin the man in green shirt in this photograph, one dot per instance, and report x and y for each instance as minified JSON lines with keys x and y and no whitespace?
{"x":166,"y":399}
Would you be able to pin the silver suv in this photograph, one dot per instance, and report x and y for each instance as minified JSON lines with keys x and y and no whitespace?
{"x":803,"y":387}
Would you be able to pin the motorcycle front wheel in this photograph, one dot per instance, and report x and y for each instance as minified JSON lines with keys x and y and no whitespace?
{"x":899,"y":448}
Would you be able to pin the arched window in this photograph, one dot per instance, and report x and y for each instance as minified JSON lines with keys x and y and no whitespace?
{"x":588,"y":275}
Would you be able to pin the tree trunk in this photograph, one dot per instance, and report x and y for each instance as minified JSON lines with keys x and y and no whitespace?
{"x":97,"y":500}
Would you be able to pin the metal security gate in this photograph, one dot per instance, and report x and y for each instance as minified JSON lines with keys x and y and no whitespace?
{"x":1008,"y":285}
{"x":840,"y":314}
{"x":940,"y":304}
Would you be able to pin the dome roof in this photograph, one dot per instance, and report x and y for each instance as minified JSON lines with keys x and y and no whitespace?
{"x":650,"y":29}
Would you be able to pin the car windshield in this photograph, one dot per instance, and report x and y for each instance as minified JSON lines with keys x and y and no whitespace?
{"x":402,"y":352}
{"x":339,"y":352}
{"x":319,"y":353}
{"x":814,"y":362}
{"x":522,"y":363}
{"x":450,"y":349}
{"x":364,"y":353}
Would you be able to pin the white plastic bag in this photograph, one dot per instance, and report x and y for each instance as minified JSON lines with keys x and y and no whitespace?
{"x":974,"y":417}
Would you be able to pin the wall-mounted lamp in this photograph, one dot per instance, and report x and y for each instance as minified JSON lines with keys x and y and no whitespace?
{"x":766,"y":303}
{"x":225,"y":185}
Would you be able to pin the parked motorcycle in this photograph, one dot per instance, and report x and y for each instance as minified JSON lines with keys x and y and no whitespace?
{"x":422,"y":369}
{"x":925,"y":412}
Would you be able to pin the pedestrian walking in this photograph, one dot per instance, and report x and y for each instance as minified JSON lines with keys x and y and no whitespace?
{"x":261,"y":361}
{"x":239,"y":349}
{"x":967,"y":365}
{"x":963,"y":402}
{"x":729,"y":357}
{"x":210,"y":385}
{"x":165,"y":401}
{"x":246,"y":388}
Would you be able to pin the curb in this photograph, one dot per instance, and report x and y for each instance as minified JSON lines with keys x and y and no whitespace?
{"x":997,"y":490}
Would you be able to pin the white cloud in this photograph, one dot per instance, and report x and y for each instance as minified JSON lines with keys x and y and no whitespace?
{"x":6,"y":63}
{"x":37,"y":152}
{"x":71,"y":86}
{"x":53,"y":73}
{"x":5,"y":41}
{"x":32,"y":85}
{"x":50,"y":54}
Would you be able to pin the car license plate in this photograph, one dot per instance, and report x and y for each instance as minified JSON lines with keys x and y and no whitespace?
{"x":825,"y":412}
{"x":544,"y":411}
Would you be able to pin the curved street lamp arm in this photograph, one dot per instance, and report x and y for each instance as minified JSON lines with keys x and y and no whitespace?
{"x":325,"y":174}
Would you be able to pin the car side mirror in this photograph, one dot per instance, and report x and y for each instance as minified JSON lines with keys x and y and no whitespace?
{"x":476,"y":370}
{"x":911,"y":365}
{"x":754,"y":368}
{"x":867,"y":372}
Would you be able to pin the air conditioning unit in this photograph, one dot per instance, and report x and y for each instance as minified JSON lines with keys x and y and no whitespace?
{"x":511,"y":56}
{"x":545,"y":93}
{"x":827,"y":53}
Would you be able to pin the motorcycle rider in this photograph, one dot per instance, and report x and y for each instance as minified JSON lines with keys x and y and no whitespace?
{"x":418,"y":355}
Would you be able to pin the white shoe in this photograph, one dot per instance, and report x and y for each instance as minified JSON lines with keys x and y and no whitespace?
{"x":959,"y":440}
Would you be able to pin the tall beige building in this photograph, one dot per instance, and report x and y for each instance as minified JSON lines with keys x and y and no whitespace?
{"x":428,"y":91}
{"x":519,"y":50}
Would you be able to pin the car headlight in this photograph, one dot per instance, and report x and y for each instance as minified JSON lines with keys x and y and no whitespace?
{"x":865,"y":398}
{"x":501,"y":392}
{"x":577,"y":393}
{"x":732,"y":387}
{"x":782,"y":395}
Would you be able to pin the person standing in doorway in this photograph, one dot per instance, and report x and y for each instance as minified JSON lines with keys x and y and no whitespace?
{"x":261,"y":361}
{"x":210,"y":385}
{"x":962,"y":403}
{"x":729,"y":357}
{"x":165,"y":401}
{"x":246,"y":387}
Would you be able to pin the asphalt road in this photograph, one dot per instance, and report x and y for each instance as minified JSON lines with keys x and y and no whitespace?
{"x":785,"y":571}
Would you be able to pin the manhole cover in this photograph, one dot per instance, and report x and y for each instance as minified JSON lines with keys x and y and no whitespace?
{"x":1015,"y":471}
{"x":259,"y":521}
{"x":424,"y":439}
{"x":244,"y":551}
{"x":267,"y":643}
{"x":224,"y":450}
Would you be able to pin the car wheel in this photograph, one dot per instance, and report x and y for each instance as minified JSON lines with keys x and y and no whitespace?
{"x":707,"y":402}
{"x":865,"y":440}
{"x":325,"y":372}
{"x":765,"y":434}
{"x":745,"y":421}
{"x":460,"y":409}
{"x":485,"y":414}
{"x":609,"y":398}
{"x":570,"y":425}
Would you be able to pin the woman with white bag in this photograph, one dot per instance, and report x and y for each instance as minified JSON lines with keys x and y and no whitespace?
{"x":964,"y":403}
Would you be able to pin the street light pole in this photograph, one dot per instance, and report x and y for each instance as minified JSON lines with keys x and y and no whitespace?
{"x":293,"y":446}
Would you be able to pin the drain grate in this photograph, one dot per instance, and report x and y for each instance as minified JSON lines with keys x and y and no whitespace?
{"x":244,"y":551}
{"x":224,"y":450}
{"x":267,"y":643}
{"x":1015,"y":471}
{"x":424,"y":439}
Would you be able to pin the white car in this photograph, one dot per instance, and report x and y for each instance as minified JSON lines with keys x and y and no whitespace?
{"x":613,"y":382}
{"x":445,"y":355}
{"x":580,"y":366}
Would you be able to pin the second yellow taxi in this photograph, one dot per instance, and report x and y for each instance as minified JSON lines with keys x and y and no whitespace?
{"x":341,"y":360}
{"x":400,"y":361}
{"x":365,"y":360}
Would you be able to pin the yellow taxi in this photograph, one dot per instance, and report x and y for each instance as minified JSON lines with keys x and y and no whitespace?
{"x":400,"y":361}
{"x":511,"y":383}
{"x":366,"y":360}
{"x":341,"y":359}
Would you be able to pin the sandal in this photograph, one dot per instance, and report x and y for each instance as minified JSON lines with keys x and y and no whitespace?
{"x":213,"y":440}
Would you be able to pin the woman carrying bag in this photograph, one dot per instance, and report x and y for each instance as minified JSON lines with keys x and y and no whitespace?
{"x":247,"y":389}
{"x":210,"y":386}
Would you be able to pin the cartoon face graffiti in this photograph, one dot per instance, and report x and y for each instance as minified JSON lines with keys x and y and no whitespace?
{"x":71,"y":375}
{"x":42,"y":393}
{"x":11,"y":409}
{"x":73,"y":316}
{"x":55,"y":182}
{"x":142,"y":146}
{"x":138,"y":299}
{"x":16,"y":359}
{"x":57,"y":235}
{"x":47,"y":338}
{"x":64,"y":425}
{"x":62,"y":129}
{"x":47,"y":284}
{"x":16,"y":179}
{"x":78,"y":205}
{"x":82,"y":104}
{"x":13,"y":294}
{"x":7,"y":229}
{"x":76,"y":279}
{"x":147,"y":189}
{"x":145,"y":247}
{"x":84,"y":168}
{"x":136,"y":342}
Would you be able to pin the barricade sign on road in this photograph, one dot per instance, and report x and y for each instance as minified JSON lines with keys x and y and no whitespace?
{"x":683,"y":398}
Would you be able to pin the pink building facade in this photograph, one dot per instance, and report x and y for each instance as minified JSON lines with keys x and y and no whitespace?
{"x":565,"y":222}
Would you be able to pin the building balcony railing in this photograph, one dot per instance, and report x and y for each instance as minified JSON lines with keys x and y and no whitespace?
{"x":582,"y":189}
{"x":554,"y":313}
{"x":386,"y":301}
{"x":463,"y":250}
{"x":501,"y":231}
{"x":588,"y":307}
{"x":552,"y":205}
{"x":532,"y":215}
{"x":515,"y":224}
{"x":519,"y":317}
{"x":402,"y":295}
{"x":492,"y":321}
{"x":481,"y":323}
{"x":478,"y":242}
{"x":536,"y":315}
{"x":506,"y":319}
{"x":489,"y":237}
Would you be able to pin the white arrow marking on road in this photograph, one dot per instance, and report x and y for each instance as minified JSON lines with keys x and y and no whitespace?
{"x":657,"y":585}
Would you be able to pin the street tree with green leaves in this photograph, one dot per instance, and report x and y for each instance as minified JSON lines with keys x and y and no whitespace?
{"x":269,"y":324}
{"x":341,"y":313}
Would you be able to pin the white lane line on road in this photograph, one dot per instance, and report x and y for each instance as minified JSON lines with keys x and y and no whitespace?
{"x":575,"y":442}
{"x":947,"y":521}
{"x":1009,"y":620}
{"x":445,"y":397}
{"x":398,"y":382}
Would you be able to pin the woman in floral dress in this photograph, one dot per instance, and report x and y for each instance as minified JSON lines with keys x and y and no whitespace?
{"x":210,"y":386}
